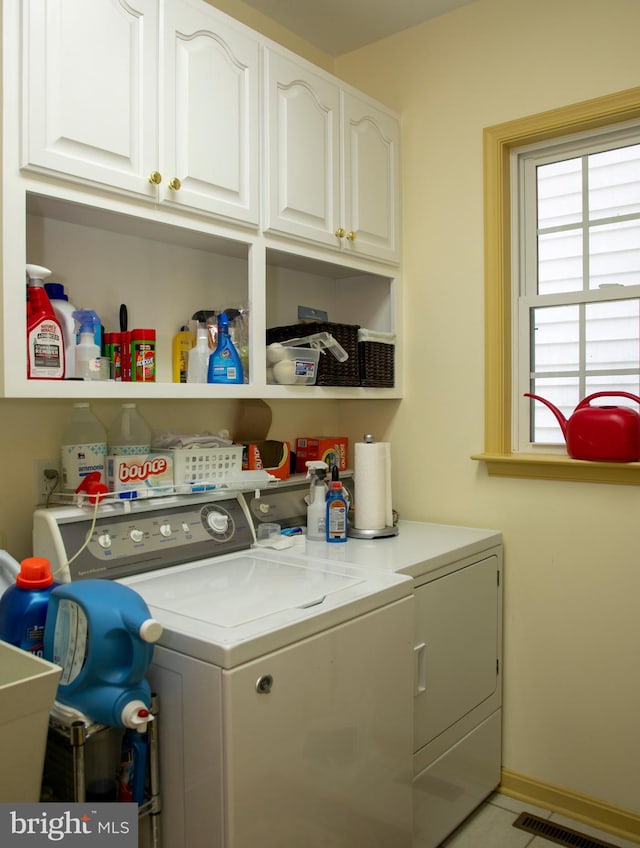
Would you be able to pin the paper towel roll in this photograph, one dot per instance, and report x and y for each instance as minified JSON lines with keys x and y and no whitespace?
{"x":372,"y":486}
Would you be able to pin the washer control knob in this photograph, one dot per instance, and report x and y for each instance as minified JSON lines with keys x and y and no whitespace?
{"x":165,"y":529}
{"x":136,"y":535}
{"x":104,"y":540}
{"x":217,"y":521}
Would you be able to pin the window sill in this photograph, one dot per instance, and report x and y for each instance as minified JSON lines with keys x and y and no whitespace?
{"x":556,"y":467}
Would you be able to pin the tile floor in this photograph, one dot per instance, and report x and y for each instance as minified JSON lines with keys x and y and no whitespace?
{"x":491,"y":826}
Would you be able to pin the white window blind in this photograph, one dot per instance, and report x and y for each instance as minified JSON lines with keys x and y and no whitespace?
{"x":576,"y":321}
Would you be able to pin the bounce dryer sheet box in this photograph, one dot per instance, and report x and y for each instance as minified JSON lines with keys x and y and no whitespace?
{"x":330,"y":449}
{"x":140,"y":475}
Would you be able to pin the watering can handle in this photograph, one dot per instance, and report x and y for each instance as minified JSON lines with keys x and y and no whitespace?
{"x":585,"y":401}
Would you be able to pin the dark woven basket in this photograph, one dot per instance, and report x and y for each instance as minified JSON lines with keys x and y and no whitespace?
{"x":330,"y":371}
{"x":376,"y":361}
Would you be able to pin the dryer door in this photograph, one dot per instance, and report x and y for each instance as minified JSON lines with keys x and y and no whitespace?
{"x":457,"y":620}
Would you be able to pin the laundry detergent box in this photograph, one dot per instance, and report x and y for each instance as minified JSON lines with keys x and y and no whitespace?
{"x":330,"y":449}
{"x":267,"y":455}
{"x":140,"y":475}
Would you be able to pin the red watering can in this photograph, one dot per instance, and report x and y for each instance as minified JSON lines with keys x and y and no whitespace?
{"x":600,"y":433}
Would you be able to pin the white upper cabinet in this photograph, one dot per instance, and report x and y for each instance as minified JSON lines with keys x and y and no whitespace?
{"x":210,"y":96}
{"x":175,"y":120}
{"x":90,"y":74}
{"x":332,"y":162}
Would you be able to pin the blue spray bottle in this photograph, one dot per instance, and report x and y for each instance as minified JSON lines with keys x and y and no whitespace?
{"x":224,"y":363}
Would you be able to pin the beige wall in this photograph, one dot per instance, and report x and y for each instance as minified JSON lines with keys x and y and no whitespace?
{"x":572,"y":696}
{"x":572,"y":579}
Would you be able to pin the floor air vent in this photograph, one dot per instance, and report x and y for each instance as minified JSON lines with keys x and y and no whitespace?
{"x":558,"y":833}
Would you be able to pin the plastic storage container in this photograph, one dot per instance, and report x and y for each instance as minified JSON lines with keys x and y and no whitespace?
{"x":292,"y":366}
{"x":84,"y":447}
{"x":129,"y":433}
{"x":27,"y":692}
{"x":102,"y":635}
{"x":23,"y":607}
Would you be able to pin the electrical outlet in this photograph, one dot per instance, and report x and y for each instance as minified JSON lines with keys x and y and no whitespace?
{"x":47,"y":478}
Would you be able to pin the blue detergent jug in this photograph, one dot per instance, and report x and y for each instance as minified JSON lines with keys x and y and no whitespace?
{"x":24,"y":606}
{"x":102,"y":635}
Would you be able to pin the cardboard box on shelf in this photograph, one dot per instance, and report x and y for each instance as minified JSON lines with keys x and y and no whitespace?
{"x":260,"y":453}
{"x":330,"y":449}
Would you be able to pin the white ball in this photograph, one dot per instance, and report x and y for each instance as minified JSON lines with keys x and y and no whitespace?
{"x":285,"y":372}
{"x":275,"y":352}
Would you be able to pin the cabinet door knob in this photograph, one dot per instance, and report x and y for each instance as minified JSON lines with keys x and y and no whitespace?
{"x":340,"y":233}
{"x":175,"y":184}
{"x":155,"y":177}
{"x":351,"y":236}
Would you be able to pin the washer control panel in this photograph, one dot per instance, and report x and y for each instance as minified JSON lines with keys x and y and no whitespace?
{"x":122,"y":544}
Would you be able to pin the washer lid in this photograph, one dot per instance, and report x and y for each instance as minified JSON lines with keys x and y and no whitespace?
{"x":234,"y":592}
{"x":237,"y":607}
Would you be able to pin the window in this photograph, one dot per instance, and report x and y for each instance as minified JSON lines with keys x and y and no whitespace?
{"x":575,"y":276}
{"x":578,"y":290}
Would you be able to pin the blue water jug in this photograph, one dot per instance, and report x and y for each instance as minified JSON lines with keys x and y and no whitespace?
{"x":102,"y":635}
{"x":23,"y":606}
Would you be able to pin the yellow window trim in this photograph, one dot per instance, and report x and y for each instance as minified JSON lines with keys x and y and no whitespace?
{"x":499,"y":141}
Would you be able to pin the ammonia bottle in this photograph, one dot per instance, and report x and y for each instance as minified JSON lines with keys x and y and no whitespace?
{"x":84,"y":447}
{"x":129,"y":434}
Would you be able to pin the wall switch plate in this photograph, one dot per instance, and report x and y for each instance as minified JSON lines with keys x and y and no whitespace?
{"x":47,"y":478}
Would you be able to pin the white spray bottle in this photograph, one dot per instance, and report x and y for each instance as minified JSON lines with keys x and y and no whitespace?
{"x":316,"y":505}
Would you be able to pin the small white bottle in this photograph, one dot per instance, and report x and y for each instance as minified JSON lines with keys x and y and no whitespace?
{"x":84,"y":447}
{"x":129,"y":434}
{"x":64,"y":313}
{"x":317,"y":507}
{"x":198,"y":364}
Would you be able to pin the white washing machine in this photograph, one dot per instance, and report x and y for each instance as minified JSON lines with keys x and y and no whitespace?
{"x":285,"y":685}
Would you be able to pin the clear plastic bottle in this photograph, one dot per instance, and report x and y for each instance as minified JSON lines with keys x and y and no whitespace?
{"x":199,"y":357}
{"x":129,"y":433}
{"x":84,"y":447}
{"x":23,"y":607}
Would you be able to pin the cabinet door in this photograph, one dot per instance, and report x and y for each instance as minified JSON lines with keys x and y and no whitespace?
{"x":457,"y":621}
{"x":210,"y":133}
{"x":90,"y":88}
{"x":318,"y":739}
{"x":371,"y":192}
{"x":303,"y":114}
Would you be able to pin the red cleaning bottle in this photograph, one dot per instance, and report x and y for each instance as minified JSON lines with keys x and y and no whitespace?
{"x":45,"y":344}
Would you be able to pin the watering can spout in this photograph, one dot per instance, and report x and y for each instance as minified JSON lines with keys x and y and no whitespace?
{"x":562,"y":421}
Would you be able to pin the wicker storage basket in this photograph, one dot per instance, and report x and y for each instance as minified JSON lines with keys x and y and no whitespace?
{"x":330,"y":371}
{"x":376,"y":355}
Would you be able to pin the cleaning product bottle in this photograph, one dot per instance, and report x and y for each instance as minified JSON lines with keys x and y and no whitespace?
{"x":182,"y":344}
{"x":64,"y":313}
{"x":45,"y":342}
{"x":336,"y":516}
{"x":102,"y":634}
{"x":224,"y":362}
{"x":129,"y":433}
{"x":87,"y":352}
{"x":317,"y":507}
{"x":84,"y":447}
{"x":133,"y":766}
{"x":199,"y":357}
{"x":23,"y":607}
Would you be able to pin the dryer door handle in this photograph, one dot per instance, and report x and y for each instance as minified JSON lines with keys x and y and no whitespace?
{"x":420,"y":675}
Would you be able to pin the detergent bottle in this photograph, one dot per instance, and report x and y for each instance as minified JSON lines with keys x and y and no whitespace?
{"x":102,"y":634}
{"x":23,"y":606}
{"x":45,"y":342}
{"x":87,"y":352}
{"x":64,"y":310}
{"x":337,"y":513}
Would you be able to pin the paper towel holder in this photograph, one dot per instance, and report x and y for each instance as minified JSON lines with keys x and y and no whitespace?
{"x":381,"y":533}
